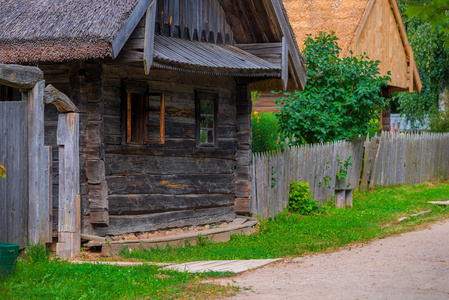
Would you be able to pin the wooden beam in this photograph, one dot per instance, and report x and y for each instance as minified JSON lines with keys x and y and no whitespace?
{"x":150,"y":24}
{"x":38,"y":198}
{"x":125,"y":32}
{"x":400,"y":22}
{"x":58,"y":99}
{"x":291,"y":43}
{"x":21,"y":77}
{"x":408,"y":48}
{"x":284,"y":63}
{"x":416,"y":76}
{"x":362,"y":24}
{"x":69,"y":241}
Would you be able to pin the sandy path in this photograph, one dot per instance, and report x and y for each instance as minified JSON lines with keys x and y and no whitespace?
{"x":414,"y":265}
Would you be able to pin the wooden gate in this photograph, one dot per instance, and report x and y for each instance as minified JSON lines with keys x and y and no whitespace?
{"x":14,"y":156}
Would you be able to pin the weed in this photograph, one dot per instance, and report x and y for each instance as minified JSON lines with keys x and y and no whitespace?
{"x":342,"y":172}
{"x":36,"y":254}
{"x":203,"y":241}
{"x":300,"y":199}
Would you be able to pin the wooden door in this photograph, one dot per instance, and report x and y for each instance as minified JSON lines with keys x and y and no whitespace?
{"x":14,"y":188}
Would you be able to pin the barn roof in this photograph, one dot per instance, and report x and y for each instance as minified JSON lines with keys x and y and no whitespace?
{"x":340,"y":16}
{"x":348,"y":19}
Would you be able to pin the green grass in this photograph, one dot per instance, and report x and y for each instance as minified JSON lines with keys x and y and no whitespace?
{"x":62,"y":280}
{"x":374,"y":215}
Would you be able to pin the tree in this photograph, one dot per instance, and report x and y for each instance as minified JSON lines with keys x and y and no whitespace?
{"x":432,"y":58}
{"x":342,"y":98}
{"x":435,"y":12}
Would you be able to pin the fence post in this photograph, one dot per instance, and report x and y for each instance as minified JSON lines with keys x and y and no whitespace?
{"x":69,"y":241}
{"x":38,"y":221}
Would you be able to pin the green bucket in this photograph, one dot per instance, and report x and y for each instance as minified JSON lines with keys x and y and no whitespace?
{"x":8,"y":257}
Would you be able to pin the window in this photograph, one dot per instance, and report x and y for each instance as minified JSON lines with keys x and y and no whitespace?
{"x":145,"y":118}
{"x":206,"y":109}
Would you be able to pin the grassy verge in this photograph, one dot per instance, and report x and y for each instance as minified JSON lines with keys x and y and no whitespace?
{"x":62,"y":280}
{"x":374,"y":215}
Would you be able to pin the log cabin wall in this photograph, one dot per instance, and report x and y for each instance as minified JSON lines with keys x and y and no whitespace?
{"x":150,"y":187}
{"x":176,"y":183}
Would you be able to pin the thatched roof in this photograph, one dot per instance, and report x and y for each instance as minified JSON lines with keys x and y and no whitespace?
{"x":312,"y":16}
{"x":57,"y":30}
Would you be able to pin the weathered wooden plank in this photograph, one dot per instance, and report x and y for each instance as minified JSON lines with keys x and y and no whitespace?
{"x":161,"y":165}
{"x":14,"y":188}
{"x":38,"y":218}
{"x":299,"y":68}
{"x":49,"y":187}
{"x":158,"y":221}
{"x":129,"y":26}
{"x":171,"y":184}
{"x":148,"y":49}
{"x":69,"y":242}
{"x":154,"y":203}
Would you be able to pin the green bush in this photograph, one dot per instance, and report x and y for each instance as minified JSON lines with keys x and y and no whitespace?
{"x":341,"y":99}
{"x":300,"y":199}
{"x":265,"y":131}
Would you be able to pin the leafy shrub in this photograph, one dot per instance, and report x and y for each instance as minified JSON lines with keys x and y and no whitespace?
{"x":341,"y":97}
{"x":300,"y":199}
{"x":265,"y":131}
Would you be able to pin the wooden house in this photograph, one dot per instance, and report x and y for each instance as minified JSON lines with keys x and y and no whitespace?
{"x":374,"y":27}
{"x":162,"y":88}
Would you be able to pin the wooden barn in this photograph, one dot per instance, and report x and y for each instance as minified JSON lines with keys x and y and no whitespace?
{"x":161,"y":89}
{"x":374,"y":27}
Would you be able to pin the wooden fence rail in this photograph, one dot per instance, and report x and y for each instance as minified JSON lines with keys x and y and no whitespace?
{"x":391,"y":159}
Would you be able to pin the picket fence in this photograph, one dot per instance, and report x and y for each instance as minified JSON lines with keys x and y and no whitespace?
{"x":392,"y":158}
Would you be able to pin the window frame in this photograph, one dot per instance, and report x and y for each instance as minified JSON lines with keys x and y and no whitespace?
{"x":202,"y":96}
{"x":127,"y":129}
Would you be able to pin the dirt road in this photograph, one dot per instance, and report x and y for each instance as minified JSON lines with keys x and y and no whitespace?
{"x":414,"y":265}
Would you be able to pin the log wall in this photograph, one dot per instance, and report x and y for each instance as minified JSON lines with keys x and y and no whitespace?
{"x":174,"y":184}
{"x":132,"y":188}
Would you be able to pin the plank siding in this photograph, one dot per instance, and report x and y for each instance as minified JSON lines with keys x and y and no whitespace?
{"x":203,"y":20}
{"x":381,"y":40}
{"x":14,"y":188}
{"x":389,"y":160}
